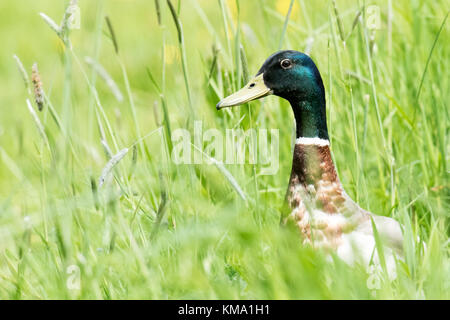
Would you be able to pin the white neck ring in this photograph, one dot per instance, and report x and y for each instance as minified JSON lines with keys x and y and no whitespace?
{"x":313,"y":141}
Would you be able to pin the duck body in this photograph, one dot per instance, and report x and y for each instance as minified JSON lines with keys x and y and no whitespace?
{"x":327,"y":217}
{"x":318,"y":205}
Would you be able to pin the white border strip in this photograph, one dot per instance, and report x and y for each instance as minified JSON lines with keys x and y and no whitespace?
{"x":315,"y":141}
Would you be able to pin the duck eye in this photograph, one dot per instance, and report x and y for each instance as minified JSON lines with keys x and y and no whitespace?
{"x":286,"y":63}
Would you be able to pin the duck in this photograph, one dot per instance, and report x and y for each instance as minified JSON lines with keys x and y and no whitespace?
{"x":318,"y":206}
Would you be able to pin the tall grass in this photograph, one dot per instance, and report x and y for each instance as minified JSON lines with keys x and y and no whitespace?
{"x":92,"y":206}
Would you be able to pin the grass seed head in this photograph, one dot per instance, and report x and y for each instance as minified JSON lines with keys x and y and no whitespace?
{"x":52,"y":24}
{"x":37,"y":85}
{"x":23,"y":72}
{"x":65,"y":23}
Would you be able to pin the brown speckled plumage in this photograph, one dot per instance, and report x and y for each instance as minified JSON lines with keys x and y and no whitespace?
{"x":320,"y":207}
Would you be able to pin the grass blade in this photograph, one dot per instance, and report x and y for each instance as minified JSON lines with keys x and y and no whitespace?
{"x":98,"y":68}
{"x":286,"y":21}
{"x":429,"y":56}
{"x":112,"y":34}
{"x":110,"y":165}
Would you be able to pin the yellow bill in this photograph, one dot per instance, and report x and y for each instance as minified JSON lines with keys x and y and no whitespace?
{"x":253,"y":90}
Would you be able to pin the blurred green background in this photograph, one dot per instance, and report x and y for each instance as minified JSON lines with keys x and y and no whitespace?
{"x":157,"y":230}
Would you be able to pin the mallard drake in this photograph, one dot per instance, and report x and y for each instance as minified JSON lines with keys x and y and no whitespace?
{"x":318,"y":205}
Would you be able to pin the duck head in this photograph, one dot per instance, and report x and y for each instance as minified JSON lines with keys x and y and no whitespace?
{"x":291,"y":75}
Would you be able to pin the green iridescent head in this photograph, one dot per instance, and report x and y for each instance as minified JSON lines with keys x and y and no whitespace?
{"x":291,"y":75}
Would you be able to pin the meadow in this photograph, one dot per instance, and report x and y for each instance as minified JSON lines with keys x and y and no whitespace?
{"x":92,"y":205}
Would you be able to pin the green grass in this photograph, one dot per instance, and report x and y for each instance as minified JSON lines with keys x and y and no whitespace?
{"x":157,"y":230}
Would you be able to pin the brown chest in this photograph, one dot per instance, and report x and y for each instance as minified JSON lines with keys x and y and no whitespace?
{"x":318,"y":203}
